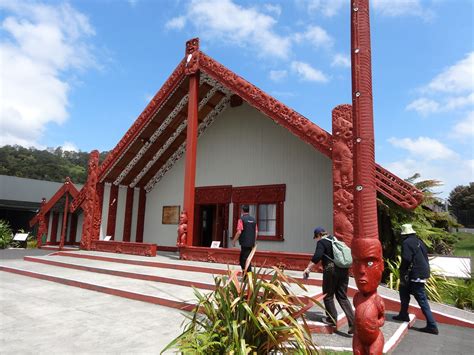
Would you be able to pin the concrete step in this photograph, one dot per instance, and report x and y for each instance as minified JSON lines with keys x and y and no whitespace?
{"x":341,"y":341}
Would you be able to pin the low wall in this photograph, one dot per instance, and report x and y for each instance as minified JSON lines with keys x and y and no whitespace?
{"x":143,"y":249}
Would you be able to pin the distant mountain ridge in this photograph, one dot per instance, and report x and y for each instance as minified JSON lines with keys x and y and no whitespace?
{"x":52,"y":164}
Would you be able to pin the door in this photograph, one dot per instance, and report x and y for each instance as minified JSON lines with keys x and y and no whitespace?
{"x":211,"y":224}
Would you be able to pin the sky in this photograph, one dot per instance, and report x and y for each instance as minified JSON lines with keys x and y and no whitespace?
{"x":77,"y":74}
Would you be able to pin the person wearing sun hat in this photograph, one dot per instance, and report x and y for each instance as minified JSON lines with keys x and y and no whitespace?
{"x":414,"y":272}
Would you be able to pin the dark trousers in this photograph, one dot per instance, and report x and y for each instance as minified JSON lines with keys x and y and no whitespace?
{"x":417,"y":289}
{"x":244,"y":254}
{"x":335,"y":281}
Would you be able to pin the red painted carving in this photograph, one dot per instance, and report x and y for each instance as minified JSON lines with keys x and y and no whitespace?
{"x":192,"y":56}
{"x":399,"y":191}
{"x":143,"y":249}
{"x":90,"y":201}
{"x":43,"y":226}
{"x":289,"y":261}
{"x":64,"y":224}
{"x":259,"y":193}
{"x":140,"y":123}
{"x":343,"y":205}
{"x":370,"y":309}
{"x":366,"y":247}
{"x":77,"y":202}
{"x":98,"y":201}
{"x":274,"y":109}
{"x":213,"y":194}
{"x":182,"y":229}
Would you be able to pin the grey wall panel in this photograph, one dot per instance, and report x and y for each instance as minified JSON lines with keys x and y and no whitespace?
{"x":244,"y":148}
{"x":80,"y":221}
{"x":121,"y":198}
{"x":168,"y":192}
{"x":50,"y":223}
{"x":105,"y":211}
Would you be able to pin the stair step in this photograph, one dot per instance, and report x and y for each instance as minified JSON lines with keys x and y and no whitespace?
{"x":341,"y":341}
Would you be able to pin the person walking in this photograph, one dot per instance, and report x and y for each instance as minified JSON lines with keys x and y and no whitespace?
{"x":335,"y":279}
{"x":414,"y":272}
{"x":247,"y":231}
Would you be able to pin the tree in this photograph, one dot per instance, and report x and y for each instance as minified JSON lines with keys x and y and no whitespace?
{"x":461,"y":204}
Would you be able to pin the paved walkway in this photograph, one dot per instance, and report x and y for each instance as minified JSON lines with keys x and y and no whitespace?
{"x":39,"y":316}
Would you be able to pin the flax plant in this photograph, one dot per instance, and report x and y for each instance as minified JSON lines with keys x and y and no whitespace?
{"x":259,"y":315}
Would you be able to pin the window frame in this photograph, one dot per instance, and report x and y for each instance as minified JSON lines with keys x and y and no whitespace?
{"x":261,"y":195}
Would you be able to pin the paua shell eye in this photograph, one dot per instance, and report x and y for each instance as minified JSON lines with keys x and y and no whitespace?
{"x":370,"y":263}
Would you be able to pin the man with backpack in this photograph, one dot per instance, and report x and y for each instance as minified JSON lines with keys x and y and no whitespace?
{"x":414,"y":272}
{"x":335,"y":278}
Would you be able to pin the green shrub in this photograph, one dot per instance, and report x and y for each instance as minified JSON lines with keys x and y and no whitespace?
{"x":6,"y":236}
{"x":258,"y":315}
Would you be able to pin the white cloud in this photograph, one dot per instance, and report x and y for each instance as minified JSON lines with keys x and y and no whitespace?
{"x":42,"y":45}
{"x":455,"y":79}
{"x":273,"y":8}
{"x":176,"y":23}
{"x":278,"y":75}
{"x":69,"y":147}
{"x":424,"y":106}
{"x":428,"y":148}
{"x":328,"y":8}
{"x":394,"y":8}
{"x":341,"y":60}
{"x":451,"y":90}
{"x":316,"y":36}
{"x":307,"y":72}
{"x":451,"y":172}
{"x":226,"y":21}
{"x":465,"y":127}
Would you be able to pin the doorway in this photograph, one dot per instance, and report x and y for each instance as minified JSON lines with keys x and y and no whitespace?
{"x":211,"y":215}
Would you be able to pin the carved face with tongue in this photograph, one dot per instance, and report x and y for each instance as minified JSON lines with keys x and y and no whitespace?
{"x":367,"y":264}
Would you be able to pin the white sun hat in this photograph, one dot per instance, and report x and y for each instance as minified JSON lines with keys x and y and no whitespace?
{"x":407,"y":229}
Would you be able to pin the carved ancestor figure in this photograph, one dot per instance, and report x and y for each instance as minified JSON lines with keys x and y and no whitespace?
{"x":42,"y":225}
{"x":182,"y":229}
{"x":342,"y":161}
{"x":369,"y":314}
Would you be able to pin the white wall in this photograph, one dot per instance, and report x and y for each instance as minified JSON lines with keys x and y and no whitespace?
{"x":80,"y":221}
{"x":105,"y":211}
{"x":244,"y":148}
{"x":120,"y":217}
{"x":133,"y":234}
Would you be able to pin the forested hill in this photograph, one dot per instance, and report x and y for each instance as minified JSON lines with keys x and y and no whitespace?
{"x":50,"y":164}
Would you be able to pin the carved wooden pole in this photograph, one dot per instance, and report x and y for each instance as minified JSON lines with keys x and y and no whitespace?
{"x":64,"y":226}
{"x":192,"y":71}
{"x":366,"y":247}
{"x":90,"y":201}
{"x":42,"y":224}
{"x":342,"y":172}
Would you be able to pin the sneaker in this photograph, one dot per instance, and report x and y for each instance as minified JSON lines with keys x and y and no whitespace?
{"x":328,"y":321}
{"x":401,"y":318}
{"x":429,"y":330}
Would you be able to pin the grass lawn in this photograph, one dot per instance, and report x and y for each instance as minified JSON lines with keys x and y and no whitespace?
{"x":465,"y":244}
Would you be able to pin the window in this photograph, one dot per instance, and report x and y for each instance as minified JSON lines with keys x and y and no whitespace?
{"x":265,"y":205}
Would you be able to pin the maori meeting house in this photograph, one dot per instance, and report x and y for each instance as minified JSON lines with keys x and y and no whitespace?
{"x":208,"y":142}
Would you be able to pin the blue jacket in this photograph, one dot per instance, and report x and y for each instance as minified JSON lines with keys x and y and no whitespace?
{"x":414,"y":258}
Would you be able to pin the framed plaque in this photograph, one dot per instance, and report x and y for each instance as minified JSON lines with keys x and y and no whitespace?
{"x":170,"y":215}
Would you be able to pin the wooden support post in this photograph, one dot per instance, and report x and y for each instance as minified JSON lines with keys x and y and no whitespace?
{"x":64,"y":226}
{"x":191,"y":146}
{"x":141,"y":215}
{"x":127,"y":223}
{"x":54,"y":228}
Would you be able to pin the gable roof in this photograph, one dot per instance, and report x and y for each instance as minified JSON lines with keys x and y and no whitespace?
{"x":67,"y":188}
{"x":157,"y":139}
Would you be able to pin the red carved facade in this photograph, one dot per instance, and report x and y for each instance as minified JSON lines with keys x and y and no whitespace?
{"x":127,"y":223}
{"x":366,"y":247}
{"x":343,"y":177}
{"x":143,"y":249}
{"x":112,"y":216}
{"x":192,"y":56}
{"x":42,"y":224}
{"x":288,"y":261}
{"x":90,"y":201}
{"x":182,"y":230}
{"x":213,"y":194}
{"x":140,"y":216}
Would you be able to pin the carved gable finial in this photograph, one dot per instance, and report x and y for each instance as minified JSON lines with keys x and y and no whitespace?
{"x":192,"y":56}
